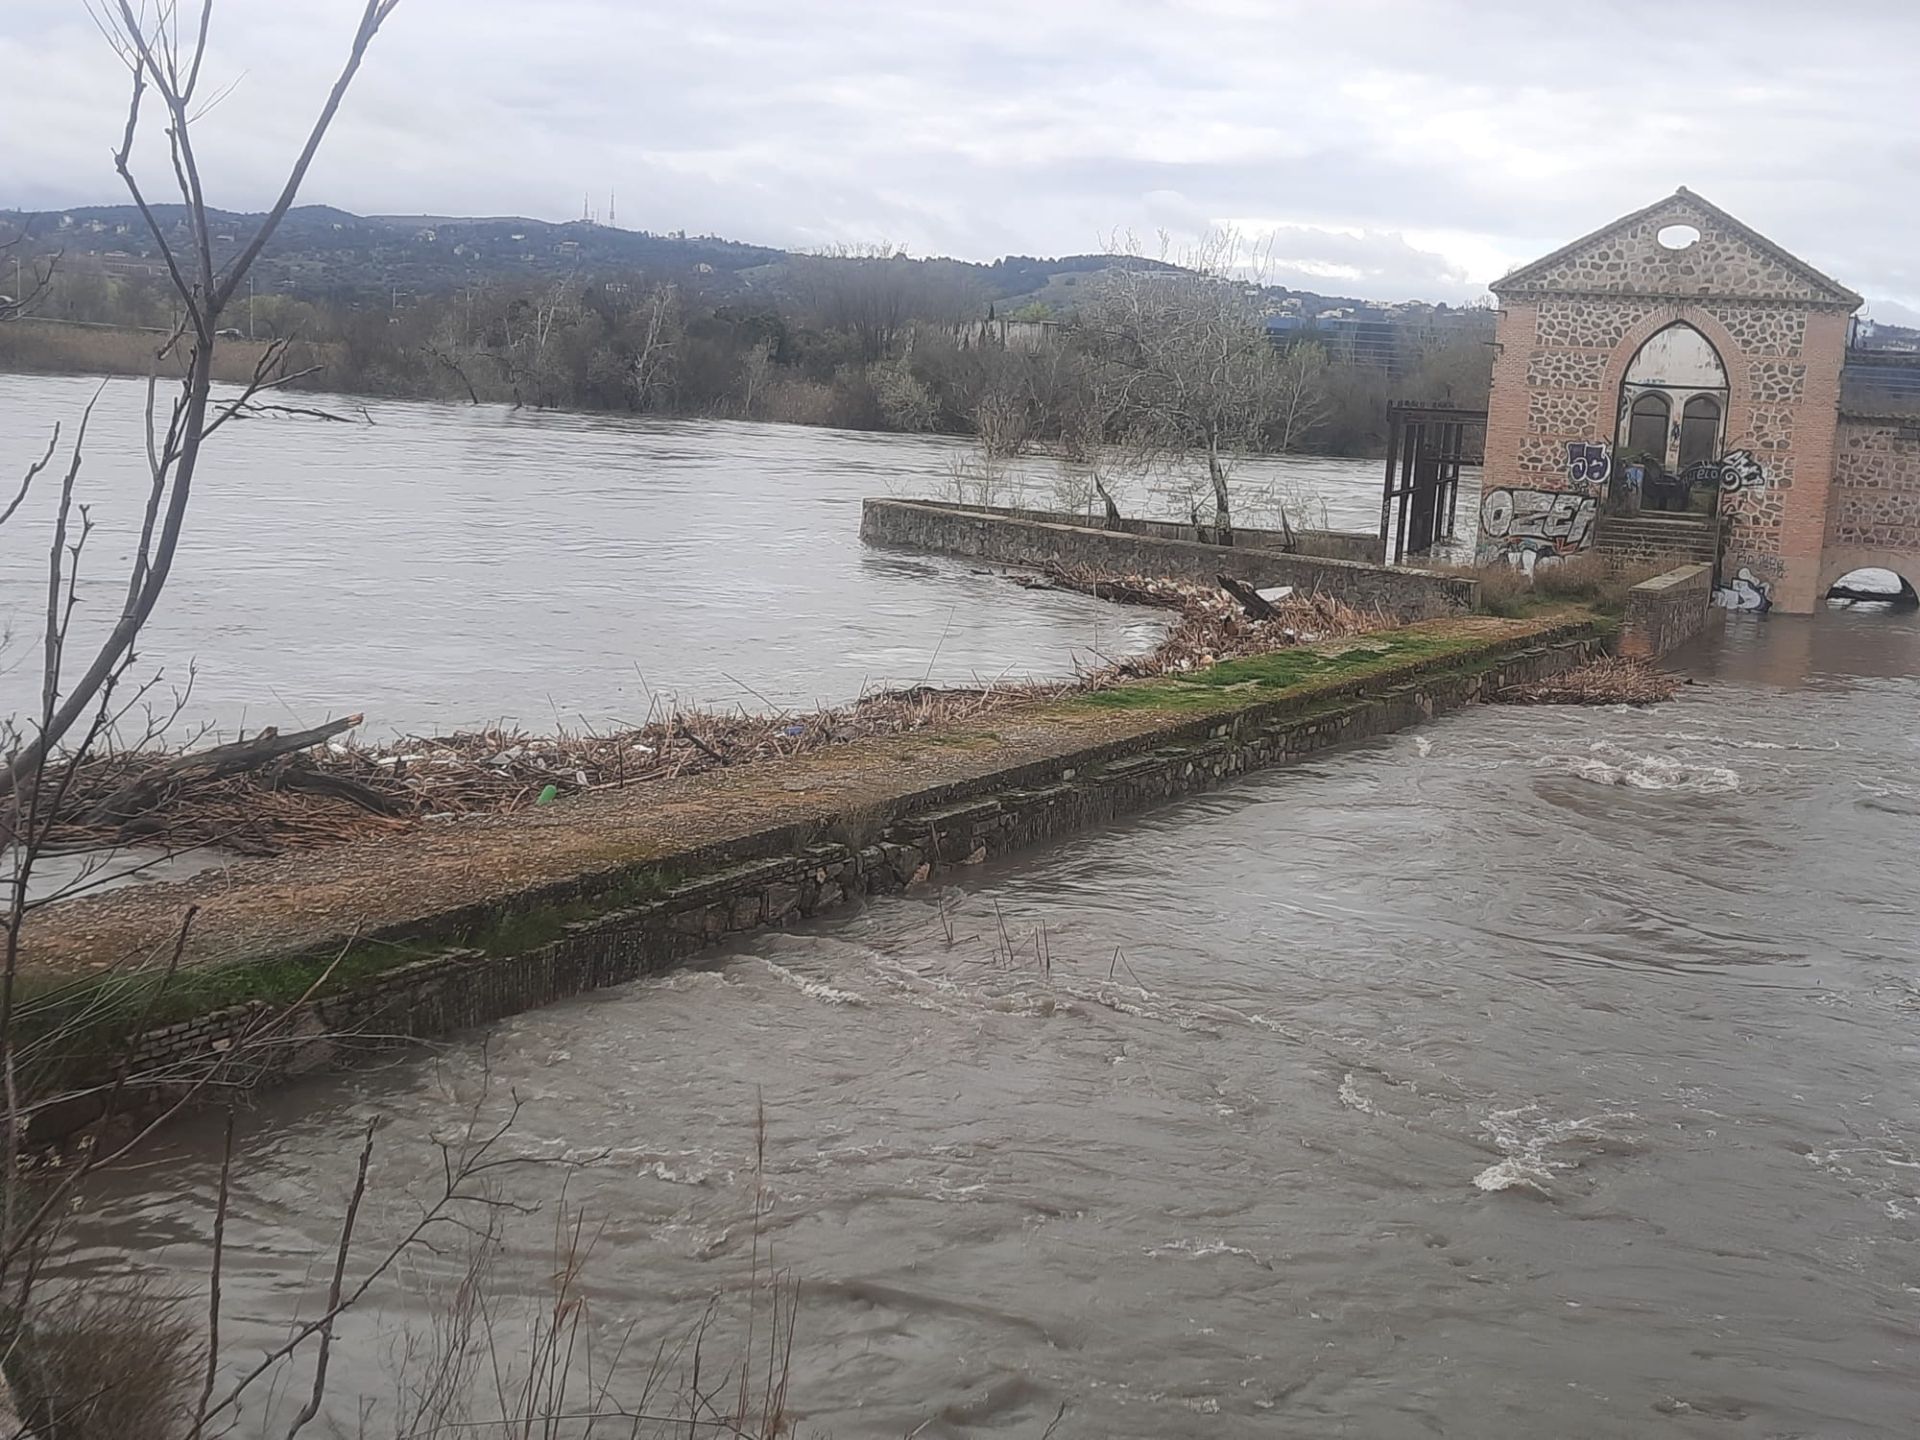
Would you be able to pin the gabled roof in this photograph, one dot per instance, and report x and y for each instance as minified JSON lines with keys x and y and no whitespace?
{"x":1730,"y":260}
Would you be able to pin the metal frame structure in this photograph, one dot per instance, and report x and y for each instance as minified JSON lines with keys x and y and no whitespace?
{"x":1426,"y":450}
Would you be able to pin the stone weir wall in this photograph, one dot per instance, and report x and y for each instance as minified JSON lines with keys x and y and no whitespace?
{"x":769,"y":880}
{"x":1005,"y":539}
{"x":1363,"y":546}
{"x":1667,"y":611}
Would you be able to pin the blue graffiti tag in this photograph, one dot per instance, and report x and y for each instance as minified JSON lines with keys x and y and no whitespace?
{"x":1588,"y":463}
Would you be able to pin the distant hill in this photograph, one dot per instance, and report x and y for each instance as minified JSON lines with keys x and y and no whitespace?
{"x":323,"y":253}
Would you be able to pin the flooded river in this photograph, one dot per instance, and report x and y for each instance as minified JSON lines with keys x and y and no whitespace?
{"x":1540,"y":1073}
{"x":445,"y":567}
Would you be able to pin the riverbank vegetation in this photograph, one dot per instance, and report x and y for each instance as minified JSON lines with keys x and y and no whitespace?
{"x":1594,"y":582}
{"x":861,"y":338}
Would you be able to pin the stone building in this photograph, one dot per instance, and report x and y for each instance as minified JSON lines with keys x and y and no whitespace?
{"x":1672,"y":385}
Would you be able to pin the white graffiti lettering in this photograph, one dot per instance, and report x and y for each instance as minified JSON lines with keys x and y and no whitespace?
{"x":1740,"y":471}
{"x":1746,"y":591}
{"x":1559,"y":517}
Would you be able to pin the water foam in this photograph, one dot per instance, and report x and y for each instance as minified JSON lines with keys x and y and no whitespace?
{"x":1695,"y":737}
{"x":1610,"y":764}
{"x":814,"y":989}
{"x":1351,"y":1097}
{"x":1537,"y":1147}
{"x":1208,"y":1250}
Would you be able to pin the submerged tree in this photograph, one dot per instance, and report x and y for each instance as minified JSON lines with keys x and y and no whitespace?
{"x":1184,"y":355}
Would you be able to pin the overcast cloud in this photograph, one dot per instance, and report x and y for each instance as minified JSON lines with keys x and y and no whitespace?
{"x":1392,"y":148}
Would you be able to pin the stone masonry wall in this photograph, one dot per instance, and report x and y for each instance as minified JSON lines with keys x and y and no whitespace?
{"x":1363,"y":546}
{"x":1402,"y":593}
{"x":1630,"y":260}
{"x":1667,"y":611}
{"x":1873,"y":508}
{"x":461,"y":988}
{"x":1570,"y":326}
{"x":1555,"y":395}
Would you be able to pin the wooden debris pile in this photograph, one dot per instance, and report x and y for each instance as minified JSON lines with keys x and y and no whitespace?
{"x":1611,"y":681}
{"x":275,"y":792}
{"x":1225,"y":622}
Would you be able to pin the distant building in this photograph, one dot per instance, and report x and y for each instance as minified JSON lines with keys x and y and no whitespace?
{"x":1678,"y":350}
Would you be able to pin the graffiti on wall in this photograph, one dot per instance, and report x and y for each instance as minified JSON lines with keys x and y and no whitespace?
{"x":1740,"y":471}
{"x":1589,"y":463}
{"x":1534,"y":527}
{"x":1751,"y":585}
{"x":1734,"y":472}
{"x":1633,"y":480}
{"x":1746,"y":591}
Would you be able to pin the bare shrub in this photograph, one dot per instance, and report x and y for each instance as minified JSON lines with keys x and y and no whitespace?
{"x":978,"y":478}
{"x":905,"y":402}
{"x":109,"y":1361}
{"x":791,"y":400}
{"x":1504,"y":589}
{"x":1589,"y":579}
{"x":1003,"y":422}
{"x":1592,"y":579}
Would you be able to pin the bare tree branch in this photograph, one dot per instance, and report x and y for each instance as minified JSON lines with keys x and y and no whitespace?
{"x":152,"y":56}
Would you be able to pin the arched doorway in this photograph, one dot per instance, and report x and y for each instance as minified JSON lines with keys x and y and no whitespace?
{"x":1673,"y":410}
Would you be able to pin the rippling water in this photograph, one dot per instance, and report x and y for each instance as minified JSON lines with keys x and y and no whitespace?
{"x":1543,"y":1072}
{"x":448,"y":566}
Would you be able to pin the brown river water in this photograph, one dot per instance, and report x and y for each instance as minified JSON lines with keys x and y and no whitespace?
{"x":1543,"y":1072}
{"x":444,"y":567}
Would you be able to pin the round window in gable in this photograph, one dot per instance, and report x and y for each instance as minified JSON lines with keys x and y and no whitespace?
{"x":1677,"y":237}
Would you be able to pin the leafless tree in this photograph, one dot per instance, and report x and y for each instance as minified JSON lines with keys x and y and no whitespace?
{"x":33,"y":275}
{"x":94,"y":1362}
{"x":875,"y":293}
{"x":74,"y":714}
{"x":1299,"y":396}
{"x":1185,"y":353}
{"x":531,"y":328}
{"x":166,"y":68}
{"x":1082,"y":402}
{"x":657,"y":331}
{"x":756,"y":368}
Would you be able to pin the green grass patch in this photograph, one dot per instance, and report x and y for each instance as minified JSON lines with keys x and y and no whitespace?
{"x":1263,"y":677}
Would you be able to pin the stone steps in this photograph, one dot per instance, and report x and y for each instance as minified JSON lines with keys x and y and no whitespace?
{"x":1658,"y":537}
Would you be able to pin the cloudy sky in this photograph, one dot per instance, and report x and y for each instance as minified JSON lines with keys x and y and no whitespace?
{"x":1390,"y":148}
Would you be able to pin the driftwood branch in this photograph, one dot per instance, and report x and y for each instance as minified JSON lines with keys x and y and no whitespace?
{"x":297,"y":774}
{"x":142,"y":794}
{"x":1251,"y":601}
